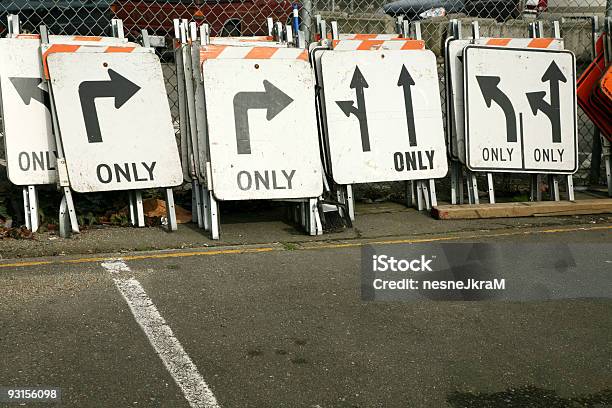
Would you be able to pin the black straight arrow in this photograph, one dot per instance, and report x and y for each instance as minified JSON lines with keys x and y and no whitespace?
{"x":491,"y":92}
{"x":272,"y":99}
{"x":553,"y":75}
{"x":29,"y":88}
{"x":406,"y":81}
{"x":118,"y":87}
{"x":358,"y":83}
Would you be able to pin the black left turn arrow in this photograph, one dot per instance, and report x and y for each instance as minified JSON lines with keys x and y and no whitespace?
{"x":489,"y":86}
{"x":406,"y":81}
{"x":29,"y":88}
{"x":118,"y":87}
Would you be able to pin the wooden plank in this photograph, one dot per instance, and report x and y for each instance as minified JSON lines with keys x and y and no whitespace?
{"x":523,"y":209}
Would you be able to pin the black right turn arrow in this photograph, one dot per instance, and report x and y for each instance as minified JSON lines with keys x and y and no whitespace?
{"x":272,"y":99}
{"x":118,"y":87}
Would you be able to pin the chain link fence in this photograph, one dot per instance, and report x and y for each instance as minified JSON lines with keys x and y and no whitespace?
{"x":498,"y":18}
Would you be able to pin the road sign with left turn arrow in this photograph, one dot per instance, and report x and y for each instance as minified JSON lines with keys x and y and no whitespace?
{"x":520,"y":110}
{"x":383,"y":115}
{"x":29,"y":144}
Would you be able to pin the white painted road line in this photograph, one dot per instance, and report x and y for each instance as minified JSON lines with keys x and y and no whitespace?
{"x":171,"y":352}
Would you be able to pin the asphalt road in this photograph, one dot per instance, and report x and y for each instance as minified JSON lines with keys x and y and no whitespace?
{"x":284,"y":326}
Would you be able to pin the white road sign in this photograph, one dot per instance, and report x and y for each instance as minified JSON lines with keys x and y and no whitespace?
{"x":262,"y":129}
{"x":454,"y":59}
{"x":29,"y":143}
{"x":520,"y":110}
{"x":114,"y":120}
{"x":384,"y":116}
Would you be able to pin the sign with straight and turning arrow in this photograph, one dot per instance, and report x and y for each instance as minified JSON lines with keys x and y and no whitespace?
{"x":383,"y":114}
{"x":454,"y":61}
{"x":520,"y":110}
{"x":114,"y":120}
{"x":262,"y":131}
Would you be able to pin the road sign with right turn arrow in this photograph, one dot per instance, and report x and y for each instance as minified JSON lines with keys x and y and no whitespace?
{"x":114,"y":119}
{"x":520,"y":110}
{"x":262,"y":131}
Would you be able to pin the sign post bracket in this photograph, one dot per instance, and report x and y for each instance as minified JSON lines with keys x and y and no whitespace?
{"x":64,"y":184}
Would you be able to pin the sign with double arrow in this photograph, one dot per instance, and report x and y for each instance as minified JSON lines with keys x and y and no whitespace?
{"x":29,"y":143}
{"x":520,"y":110}
{"x":383,"y":115}
{"x":262,"y":132}
{"x":114,"y":120}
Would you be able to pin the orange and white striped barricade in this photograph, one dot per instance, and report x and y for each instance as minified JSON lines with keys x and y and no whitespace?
{"x":522,"y":123}
{"x":106,"y":138}
{"x":29,"y":142}
{"x":261,"y":128}
{"x":382,"y":118}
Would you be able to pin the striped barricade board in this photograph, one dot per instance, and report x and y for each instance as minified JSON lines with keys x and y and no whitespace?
{"x":382,"y":111}
{"x":262,"y":133}
{"x":520,"y":110}
{"x":29,"y":142}
{"x":454,"y":63}
{"x":114,"y":118}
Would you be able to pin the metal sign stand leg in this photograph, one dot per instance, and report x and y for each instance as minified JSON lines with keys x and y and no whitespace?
{"x":570,"y":187}
{"x":432,"y":192}
{"x":64,"y":219}
{"x":472,"y":187}
{"x":30,"y":206}
{"x":136,"y":209}
{"x":350,"y":201}
{"x":608,"y":162}
{"x":553,"y":187}
{"x":132,"y":207}
{"x":205,"y":208}
{"x":170,"y":210}
{"x":419,"y":193}
{"x":490,"y":185}
{"x":214,"y":216}
{"x":195,"y":191}
{"x":61,"y":161}
{"x":26,"y":208}
{"x":140,"y":221}
{"x":314,"y":218}
{"x":33,"y":202}
{"x":425,"y":192}
{"x":454,"y":179}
